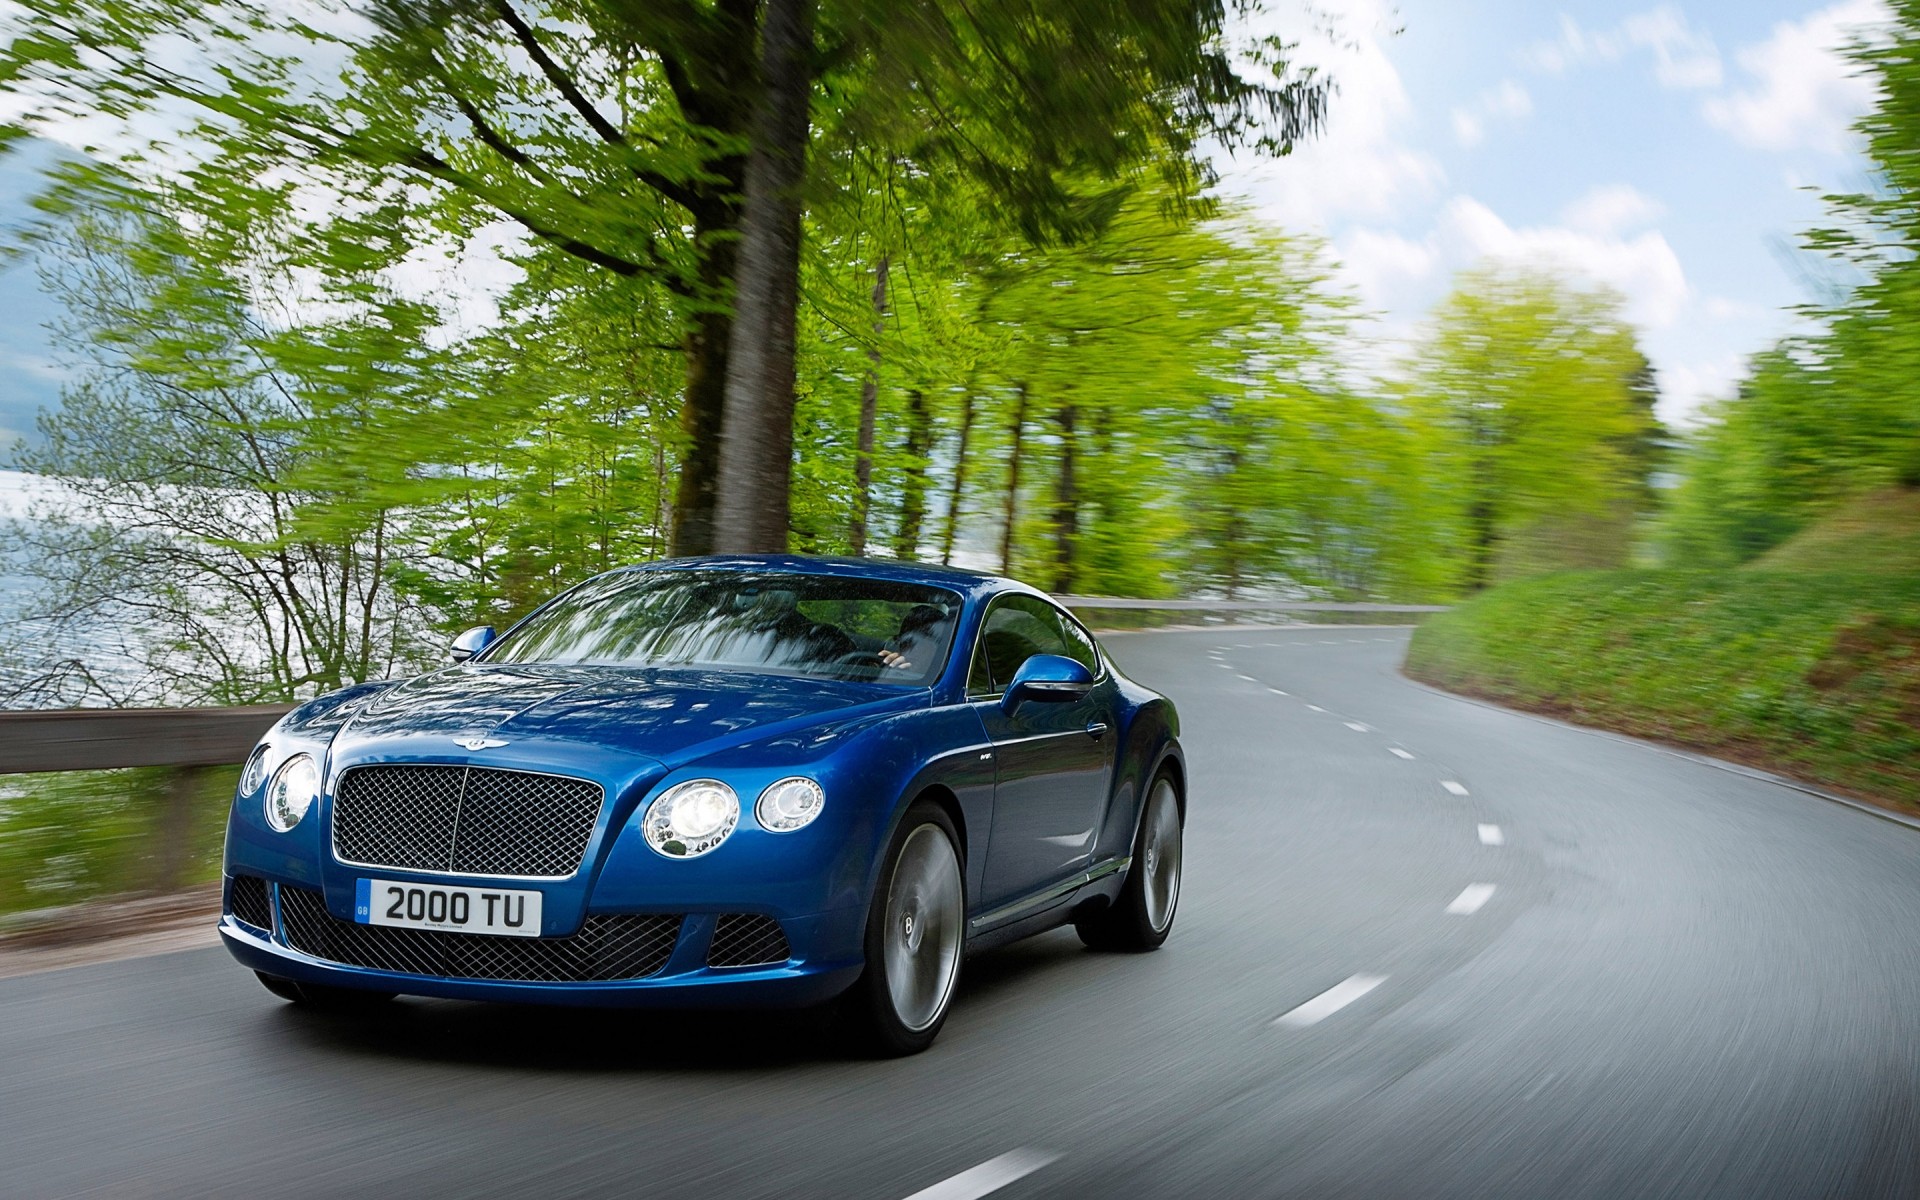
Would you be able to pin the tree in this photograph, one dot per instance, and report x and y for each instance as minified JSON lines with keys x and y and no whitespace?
{"x":1534,"y":389}
{"x":699,"y":177}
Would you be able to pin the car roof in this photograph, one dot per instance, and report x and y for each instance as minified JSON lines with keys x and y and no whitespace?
{"x":899,"y":571}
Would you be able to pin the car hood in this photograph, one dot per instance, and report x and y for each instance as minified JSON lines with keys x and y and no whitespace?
{"x":670,"y":715}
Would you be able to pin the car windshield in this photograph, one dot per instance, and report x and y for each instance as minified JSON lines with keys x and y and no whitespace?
{"x":830,"y":626}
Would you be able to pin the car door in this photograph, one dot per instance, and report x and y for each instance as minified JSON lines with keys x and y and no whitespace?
{"x":1053,"y":759}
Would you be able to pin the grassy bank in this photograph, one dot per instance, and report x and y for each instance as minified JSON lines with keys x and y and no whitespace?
{"x":1813,"y":673}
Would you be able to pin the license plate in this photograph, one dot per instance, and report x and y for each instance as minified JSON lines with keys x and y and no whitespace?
{"x":499,"y":911}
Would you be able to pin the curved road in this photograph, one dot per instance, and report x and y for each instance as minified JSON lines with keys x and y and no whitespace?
{"x":1426,"y":948}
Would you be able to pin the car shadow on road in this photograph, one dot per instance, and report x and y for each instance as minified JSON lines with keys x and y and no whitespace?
{"x":536,"y":1038}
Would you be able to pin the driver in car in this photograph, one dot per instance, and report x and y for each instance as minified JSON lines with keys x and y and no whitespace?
{"x":918,"y":641}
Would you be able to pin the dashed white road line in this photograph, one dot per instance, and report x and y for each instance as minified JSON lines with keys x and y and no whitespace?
{"x":1356,"y":726}
{"x":1330,"y":1001}
{"x":1453,"y":787}
{"x":1276,"y":691}
{"x":1316,"y":708}
{"x":989,"y":1176}
{"x":1398,"y":752}
{"x":1490,"y":835}
{"x":1470,"y":901}
{"x":1249,"y":678}
{"x":1224,"y":666}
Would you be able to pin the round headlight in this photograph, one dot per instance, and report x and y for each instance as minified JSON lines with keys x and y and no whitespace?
{"x":255,"y":772}
{"x":295,"y":786}
{"x":692,"y":818}
{"x":789,"y":804}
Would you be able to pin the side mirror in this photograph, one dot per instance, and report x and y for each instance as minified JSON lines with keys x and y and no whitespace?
{"x":1047,"y":677}
{"x":472,"y":642}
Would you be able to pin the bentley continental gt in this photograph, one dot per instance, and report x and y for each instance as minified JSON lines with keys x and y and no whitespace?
{"x":716,"y":782}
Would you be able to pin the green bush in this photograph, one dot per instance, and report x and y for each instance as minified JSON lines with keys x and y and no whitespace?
{"x":76,"y":835}
{"x":1814,"y":674}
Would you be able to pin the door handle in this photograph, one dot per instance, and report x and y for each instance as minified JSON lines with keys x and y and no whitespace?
{"x":1097,"y":729}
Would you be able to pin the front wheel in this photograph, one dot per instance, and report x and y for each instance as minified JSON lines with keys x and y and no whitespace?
{"x":916,"y":936}
{"x":1142,"y":915}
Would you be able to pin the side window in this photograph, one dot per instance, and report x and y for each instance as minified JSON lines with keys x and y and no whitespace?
{"x":1079,"y":642}
{"x":1016,"y":629}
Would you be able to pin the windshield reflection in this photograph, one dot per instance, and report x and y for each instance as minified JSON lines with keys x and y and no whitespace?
{"x":829,"y":626}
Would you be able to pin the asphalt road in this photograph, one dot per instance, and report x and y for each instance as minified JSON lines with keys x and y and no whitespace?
{"x":1682,"y":982}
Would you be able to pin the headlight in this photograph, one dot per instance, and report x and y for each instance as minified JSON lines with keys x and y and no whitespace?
{"x":692,"y":818}
{"x":255,"y":771}
{"x":295,"y":786}
{"x":789,"y":804}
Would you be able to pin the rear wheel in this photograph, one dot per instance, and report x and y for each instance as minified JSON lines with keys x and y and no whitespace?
{"x":320,"y":997}
{"x":916,"y":936}
{"x":1142,"y":915}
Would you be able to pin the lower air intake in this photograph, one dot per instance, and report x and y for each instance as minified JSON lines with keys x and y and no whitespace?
{"x":747,"y":940}
{"x":621,"y":946}
{"x":247,"y":901}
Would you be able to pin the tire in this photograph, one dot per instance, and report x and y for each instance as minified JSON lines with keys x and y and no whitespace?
{"x":321,"y":998}
{"x":1141,"y":917}
{"x":915,"y":939}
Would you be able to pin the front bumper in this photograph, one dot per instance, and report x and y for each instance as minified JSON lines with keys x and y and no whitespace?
{"x":809,"y":975}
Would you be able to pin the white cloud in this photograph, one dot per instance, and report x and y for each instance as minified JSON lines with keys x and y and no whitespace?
{"x":1804,"y":92}
{"x":1610,"y":209}
{"x":1357,"y":167}
{"x":1385,"y":267}
{"x":1686,"y":388}
{"x":1508,"y":100}
{"x":1682,"y":56}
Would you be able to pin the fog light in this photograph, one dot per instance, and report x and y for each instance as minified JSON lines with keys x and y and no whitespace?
{"x":790,"y":804}
{"x":295,"y":786}
{"x":692,"y":818}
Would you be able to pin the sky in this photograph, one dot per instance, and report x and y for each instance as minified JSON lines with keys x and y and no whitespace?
{"x":1674,"y":152}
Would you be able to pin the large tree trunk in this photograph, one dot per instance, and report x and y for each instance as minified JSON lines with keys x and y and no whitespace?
{"x":1019,"y":430}
{"x":956,"y":488}
{"x":913,"y":488}
{"x":1066,"y":502}
{"x":701,"y":407}
{"x":869,"y":407}
{"x":756,"y":439}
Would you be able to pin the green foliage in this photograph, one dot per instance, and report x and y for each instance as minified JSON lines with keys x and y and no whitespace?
{"x":1836,"y":412}
{"x":1815,"y":674}
{"x":77,"y":835}
{"x":1533,"y":405}
{"x":1877,"y":532}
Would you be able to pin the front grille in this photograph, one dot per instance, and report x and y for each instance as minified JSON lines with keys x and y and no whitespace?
{"x":623,"y":946}
{"x":470,"y":820}
{"x":247,"y":901}
{"x":747,"y":940}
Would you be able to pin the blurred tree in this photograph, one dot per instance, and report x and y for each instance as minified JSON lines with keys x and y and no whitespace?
{"x":1535,"y":393}
{"x":174,"y":535}
{"x":669,"y":140}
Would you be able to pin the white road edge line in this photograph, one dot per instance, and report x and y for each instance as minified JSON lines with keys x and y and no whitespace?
{"x":1490,"y":835}
{"x":1453,"y":787}
{"x":989,"y":1176}
{"x":1398,"y":752}
{"x":1471,"y":900}
{"x":1330,"y":1001}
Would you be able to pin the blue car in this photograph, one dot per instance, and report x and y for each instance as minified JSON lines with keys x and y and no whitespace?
{"x":728,"y":782}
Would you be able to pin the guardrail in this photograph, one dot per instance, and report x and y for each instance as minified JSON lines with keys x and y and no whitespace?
{"x":189,"y":740}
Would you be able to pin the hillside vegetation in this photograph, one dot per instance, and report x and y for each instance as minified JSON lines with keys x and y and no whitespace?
{"x":1784,"y":663}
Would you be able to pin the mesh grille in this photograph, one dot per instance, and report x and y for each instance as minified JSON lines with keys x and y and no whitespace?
{"x":473,"y":820}
{"x":247,"y":901}
{"x":622,"y":946}
{"x":746,"y":939}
